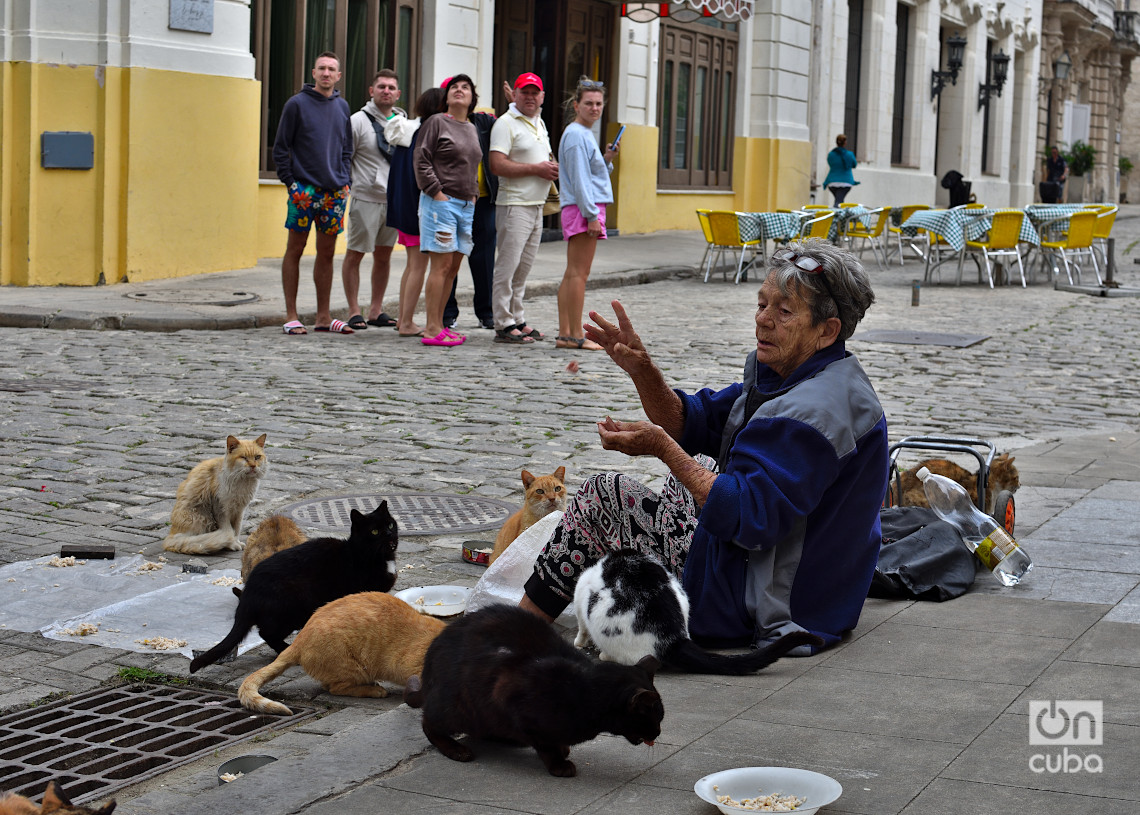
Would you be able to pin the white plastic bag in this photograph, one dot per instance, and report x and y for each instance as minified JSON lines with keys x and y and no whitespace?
{"x":503,"y":581}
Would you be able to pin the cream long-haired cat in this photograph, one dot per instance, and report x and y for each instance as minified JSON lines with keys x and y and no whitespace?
{"x":544,"y":494}
{"x":211,"y":501}
{"x":348,"y":646}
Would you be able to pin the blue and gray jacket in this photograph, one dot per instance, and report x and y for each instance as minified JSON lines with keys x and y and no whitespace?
{"x":789,"y":536}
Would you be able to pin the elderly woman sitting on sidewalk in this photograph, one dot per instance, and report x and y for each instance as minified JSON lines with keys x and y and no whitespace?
{"x":784,"y":534}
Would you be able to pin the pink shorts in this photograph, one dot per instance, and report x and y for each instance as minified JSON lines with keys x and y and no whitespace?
{"x":404,"y":239}
{"x":574,"y":224}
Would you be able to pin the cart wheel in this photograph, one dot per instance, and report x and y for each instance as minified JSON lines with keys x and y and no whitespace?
{"x":1005,"y":511}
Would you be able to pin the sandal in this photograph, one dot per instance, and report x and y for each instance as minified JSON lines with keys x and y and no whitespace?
{"x":505,"y":335}
{"x":578,"y":343}
{"x":335,"y":327}
{"x":533,"y":333}
{"x":357,"y":322}
{"x":294,"y":328}
{"x":383,"y":321}
{"x":442,"y":338}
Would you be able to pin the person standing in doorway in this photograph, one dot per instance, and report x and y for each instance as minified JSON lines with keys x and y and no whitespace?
{"x":368,"y":229}
{"x":585,"y":190}
{"x":521,"y":157}
{"x":840,"y":163}
{"x":313,"y":155}
{"x":1056,"y":171}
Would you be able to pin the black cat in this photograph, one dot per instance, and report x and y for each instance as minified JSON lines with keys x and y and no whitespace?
{"x":502,"y":673}
{"x":284,"y":590}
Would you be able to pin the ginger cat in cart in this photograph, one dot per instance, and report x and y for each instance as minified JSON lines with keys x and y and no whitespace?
{"x":349,"y":646}
{"x":544,"y":494}
{"x":1003,"y":476}
{"x":212,"y":499}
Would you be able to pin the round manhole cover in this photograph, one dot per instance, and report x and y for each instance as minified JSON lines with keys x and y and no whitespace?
{"x":416,"y":513}
{"x":195,"y":297}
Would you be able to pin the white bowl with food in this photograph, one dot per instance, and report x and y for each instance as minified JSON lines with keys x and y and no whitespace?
{"x":438,"y":601}
{"x":768,"y":789}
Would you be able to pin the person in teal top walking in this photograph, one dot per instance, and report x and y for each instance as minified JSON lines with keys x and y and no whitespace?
{"x":840,"y":163}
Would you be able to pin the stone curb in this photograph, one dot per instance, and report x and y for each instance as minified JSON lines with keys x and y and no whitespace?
{"x":170,"y":321}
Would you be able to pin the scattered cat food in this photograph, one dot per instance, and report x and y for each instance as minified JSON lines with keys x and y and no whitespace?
{"x":81,"y":630}
{"x":422,"y":601}
{"x":62,"y":562}
{"x":228,"y":777}
{"x":225,"y":581}
{"x":11,"y":580}
{"x":147,"y":566}
{"x":162,"y":643}
{"x":573,"y":366}
{"x":773,"y":802}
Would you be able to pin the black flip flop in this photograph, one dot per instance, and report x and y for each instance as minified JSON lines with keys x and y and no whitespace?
{"x":383,"y":321}
{"x":357,"y":322}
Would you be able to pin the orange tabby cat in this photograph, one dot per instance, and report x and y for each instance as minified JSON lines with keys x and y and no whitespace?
{"x":275,"y":533}
{"x":348,"y":646}
{"x":211,"y":501}
{"x":1003,"y":476}
{"x":55,"y":803}
{"x":544,"y":494}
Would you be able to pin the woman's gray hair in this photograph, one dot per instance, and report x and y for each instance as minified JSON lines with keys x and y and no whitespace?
{"x":847,"y":293}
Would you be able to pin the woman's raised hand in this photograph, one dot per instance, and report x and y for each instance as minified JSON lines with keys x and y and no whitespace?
{"x":620,"y":341}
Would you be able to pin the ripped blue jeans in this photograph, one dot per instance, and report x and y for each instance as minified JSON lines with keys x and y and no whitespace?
{"x":445,"y":226}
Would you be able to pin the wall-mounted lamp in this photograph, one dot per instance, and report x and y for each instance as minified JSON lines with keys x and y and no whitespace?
{"x":957,"y":46}
{"x":999,"y":67}
{"x":1061,"y":67}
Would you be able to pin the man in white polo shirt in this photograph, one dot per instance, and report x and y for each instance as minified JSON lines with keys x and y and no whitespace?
{"x":522,"y":159}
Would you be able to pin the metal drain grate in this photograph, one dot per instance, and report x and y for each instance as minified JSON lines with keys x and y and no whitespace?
{"x":416,"y":513}
{"x":104,"y":740}
{"x":920,"y":338}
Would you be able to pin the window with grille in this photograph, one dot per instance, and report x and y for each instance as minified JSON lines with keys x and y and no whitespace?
{"x":287,"y":35}
{"x":697,"y":92}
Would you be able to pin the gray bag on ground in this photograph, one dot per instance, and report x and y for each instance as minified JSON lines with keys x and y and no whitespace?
{"x":922,"y":557}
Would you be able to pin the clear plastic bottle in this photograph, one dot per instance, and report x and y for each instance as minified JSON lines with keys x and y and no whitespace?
{"x":983,"y":536}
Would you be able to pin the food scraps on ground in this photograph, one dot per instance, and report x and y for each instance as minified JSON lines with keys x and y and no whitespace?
{"x":228,"y":777}
{"x":148,"y":566}
{"x":162,"y":643}
{"x":81,"y":630}
{"x":772,"y":802}
{"x":61,"y":562}
{"x":225,"y":581}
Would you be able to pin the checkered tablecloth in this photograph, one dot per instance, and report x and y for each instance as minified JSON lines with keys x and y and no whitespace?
{"x":960,"y":225}
{"x":770,"y":225}
{"x":1040,"y":214}
{"x":844,"y":215}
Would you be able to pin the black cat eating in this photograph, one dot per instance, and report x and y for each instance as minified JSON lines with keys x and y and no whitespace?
{"x":284,"y":590}
{"x":502,"y":673}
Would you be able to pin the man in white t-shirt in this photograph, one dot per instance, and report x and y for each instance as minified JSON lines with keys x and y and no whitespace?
{"x":368,"y":229}
{"x":522,"y":159}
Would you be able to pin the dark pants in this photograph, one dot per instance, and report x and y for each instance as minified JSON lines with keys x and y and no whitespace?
{"x":840,"y":193}
{"x":481,"y":261}
{"x":1051,"y":191}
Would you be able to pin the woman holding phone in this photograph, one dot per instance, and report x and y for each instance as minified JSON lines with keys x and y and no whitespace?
{"x":584,"y":190}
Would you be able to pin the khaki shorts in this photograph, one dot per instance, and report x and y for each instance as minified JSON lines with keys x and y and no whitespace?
{"x":368,"y":226}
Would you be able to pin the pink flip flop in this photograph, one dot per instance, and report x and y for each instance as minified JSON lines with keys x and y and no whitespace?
{"x":294,"y":328}
{"x":335,"y":327}
{"x":442,"y":338}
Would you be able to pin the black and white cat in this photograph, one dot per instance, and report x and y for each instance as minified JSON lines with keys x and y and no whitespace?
{"x":631,"y":607}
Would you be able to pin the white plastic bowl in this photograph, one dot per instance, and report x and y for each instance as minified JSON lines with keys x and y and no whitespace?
{"x":816,"y":789}
{"x":438,"y":601}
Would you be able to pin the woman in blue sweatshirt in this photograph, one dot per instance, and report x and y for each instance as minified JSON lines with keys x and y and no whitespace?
{"x":770,"y":514}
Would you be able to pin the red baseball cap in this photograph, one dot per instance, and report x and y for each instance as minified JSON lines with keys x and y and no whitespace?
{"x":528,"y":79}
{"x":443,"y":84}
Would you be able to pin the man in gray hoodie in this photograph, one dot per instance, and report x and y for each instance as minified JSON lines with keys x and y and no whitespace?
{"x":368,"y":229}
{"x":313,"y":153}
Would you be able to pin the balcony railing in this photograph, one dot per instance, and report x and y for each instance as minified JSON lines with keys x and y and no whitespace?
{"x":1126,"y":25}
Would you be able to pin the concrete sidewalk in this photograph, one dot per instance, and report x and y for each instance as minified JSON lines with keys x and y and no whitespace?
{"x":253,"y":298}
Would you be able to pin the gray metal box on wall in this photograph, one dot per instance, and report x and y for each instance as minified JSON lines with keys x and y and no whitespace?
{"x":67,"y":150}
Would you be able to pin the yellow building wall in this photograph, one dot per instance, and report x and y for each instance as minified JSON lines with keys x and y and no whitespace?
{"x":271,"y":209}
{"x":172,"y":191}
{"x":767,"y":174}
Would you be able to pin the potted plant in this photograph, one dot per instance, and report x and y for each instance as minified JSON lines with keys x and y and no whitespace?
{"x":1081,"y":158}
